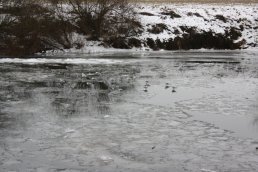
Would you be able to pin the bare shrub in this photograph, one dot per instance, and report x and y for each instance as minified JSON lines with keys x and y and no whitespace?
{"x":34,"y":28}
{"x":102,"y":18}
{"x":31,"y":26}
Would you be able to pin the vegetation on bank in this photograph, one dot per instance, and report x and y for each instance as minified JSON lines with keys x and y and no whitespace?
{"x":32,"y":26}
{"x":28,"y":26}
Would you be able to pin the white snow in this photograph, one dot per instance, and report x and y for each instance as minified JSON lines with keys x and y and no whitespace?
{"x":207,"y":21}
{"x":237,"y":14}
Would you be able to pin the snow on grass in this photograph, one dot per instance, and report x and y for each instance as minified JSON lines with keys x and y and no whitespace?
{"x":201,"y":16}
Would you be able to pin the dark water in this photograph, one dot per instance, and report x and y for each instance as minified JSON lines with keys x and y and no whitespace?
{"x":182,"y":111}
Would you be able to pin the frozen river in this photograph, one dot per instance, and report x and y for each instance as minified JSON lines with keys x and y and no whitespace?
{"x":153,"y":112}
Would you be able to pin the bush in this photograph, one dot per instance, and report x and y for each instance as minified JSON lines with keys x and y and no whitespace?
{"x":30,"y":26}
{"x":102,"y":18}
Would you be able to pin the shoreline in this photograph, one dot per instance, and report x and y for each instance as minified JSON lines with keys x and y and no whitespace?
{"x":158,"y":29}
{"x":163,"y":27}
{"x":130,"y":54}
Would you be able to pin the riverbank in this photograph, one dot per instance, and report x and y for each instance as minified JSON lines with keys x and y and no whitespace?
{"x":184,"y":27}
{"x":142,"y":27}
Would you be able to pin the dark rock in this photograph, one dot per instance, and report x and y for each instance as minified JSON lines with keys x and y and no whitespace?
{"x":221,"y":17}
{"x":190,"y":30}
{"x":146,"y":14}
{"x":194,"y":14}
{"x":183,"y":28}
{"x":158,"y":28}
{"x":248,"y":26}
{"x":176,"y":31}
{"x":241,"y":27}
{"x":197,"y":14}
{"x":240,"y":20}
{"x":190,"y":14}
{"x":172,"y":14}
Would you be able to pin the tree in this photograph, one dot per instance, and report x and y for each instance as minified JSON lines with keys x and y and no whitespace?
{"x":31,"y":26}
{"x":98,"y":18}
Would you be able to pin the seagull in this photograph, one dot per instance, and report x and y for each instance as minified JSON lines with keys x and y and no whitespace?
{"x":147,"y":83}
{"x":145,"y":88}
{"x":173,"y":89}
{"x":167,"y":86}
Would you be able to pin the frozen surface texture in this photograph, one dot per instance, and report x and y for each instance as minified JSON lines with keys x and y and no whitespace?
{"x":125,"y":116}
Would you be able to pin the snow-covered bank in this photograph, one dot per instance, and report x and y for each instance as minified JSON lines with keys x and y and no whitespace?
{"x":168,"y":26}
{"x":217,"y":18}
